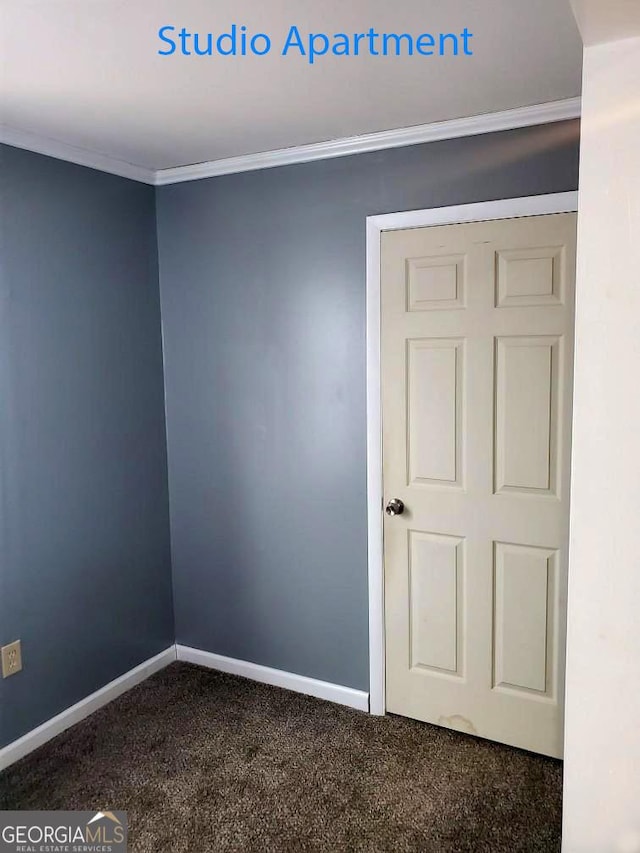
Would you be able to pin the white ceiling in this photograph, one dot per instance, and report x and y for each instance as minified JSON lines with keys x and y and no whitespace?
{"x":87,"y":73}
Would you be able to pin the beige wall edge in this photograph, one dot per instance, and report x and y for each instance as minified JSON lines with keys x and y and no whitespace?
{"x":602,"y":731}
{"x":602,"y":21}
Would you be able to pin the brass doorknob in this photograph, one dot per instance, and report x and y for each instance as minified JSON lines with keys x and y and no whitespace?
{"x":394,"y":507}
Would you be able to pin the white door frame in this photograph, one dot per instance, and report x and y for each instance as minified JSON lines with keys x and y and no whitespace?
{"x":505,"y":209}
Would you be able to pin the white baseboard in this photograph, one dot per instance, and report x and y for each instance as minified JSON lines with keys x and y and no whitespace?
{"x":358,"y":699}
{"x":16,"y":750}
{"x":35,"y":738}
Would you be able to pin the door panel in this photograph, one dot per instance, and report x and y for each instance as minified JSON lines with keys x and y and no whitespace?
{"x":477,"y":350}
{"x":526,"y":414}
{"x":524,"y":616}
{"x":435,"y":594}
{"x":434,"y":448}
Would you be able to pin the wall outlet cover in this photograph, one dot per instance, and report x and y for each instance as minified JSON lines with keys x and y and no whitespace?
{"x":11,"y":659}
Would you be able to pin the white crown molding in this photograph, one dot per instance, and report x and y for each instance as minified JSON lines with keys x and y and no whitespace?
{"x":358,"y":699}
{"x":73,"y":154}
{"x":37,"y":737}
{"x":452,"y":129}
{"x":472,"y":126}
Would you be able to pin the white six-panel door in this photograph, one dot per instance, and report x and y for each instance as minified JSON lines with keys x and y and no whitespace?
{"x":477,"y":352}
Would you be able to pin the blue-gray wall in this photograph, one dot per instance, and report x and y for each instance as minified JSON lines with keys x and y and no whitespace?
{"x":263,"y":297}
{"x":84,"y":541}
{"x":262,"y":279}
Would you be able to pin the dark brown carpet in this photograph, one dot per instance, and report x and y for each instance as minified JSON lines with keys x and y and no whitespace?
{"x":208,"y":762}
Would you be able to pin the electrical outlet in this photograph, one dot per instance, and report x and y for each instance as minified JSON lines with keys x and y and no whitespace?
{"x":11,"y":659}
